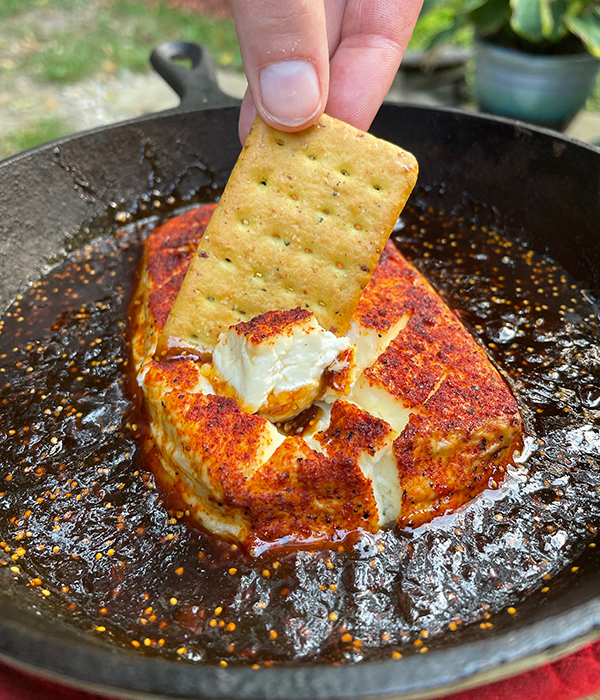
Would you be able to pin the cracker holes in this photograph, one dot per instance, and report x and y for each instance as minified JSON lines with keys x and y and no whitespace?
{"x":209,"y":298}
{"x":262,"y":181}
{"x":280,"y":142}
{"x":308,"y":250}
{"x":340,"y":265}
{"x":245,"y":222}
{"x":228,"y":260}
{"x":358,"y":227}
{"x":294,"y":197}
{"x":344,"y":172}
{"x":312,"y":156}
{"x":277,"y":236}
{"x":327,"y":212}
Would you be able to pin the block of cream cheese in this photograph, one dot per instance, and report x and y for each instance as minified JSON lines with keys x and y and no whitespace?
{"x":275,"y":363}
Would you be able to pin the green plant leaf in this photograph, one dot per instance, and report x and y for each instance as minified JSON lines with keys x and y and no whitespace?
{"x":429,"y":5}
{"x":455,"y":7}
{"x":526,"y":20}
{"x":490,"y":16}
{"x":553,"y":13}
{"x":446,"y":23}
{"x":46,"y":129}
{"x":466,"y":6}
{"x":458,"y":23}
{"x":587,"y":28}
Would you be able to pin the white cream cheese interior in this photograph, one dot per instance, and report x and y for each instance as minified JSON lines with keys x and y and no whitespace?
{"x":281,"y":363}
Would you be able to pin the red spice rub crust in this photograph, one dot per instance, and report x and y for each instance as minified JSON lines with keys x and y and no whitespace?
{"x":351,"y":431}
{"x":382,"y":302}
{"x":301,"y":495}
{"x":271,"y":323}
{"x":169,"y":251}
{"x":298,"y":494}
{"x":465,"y":424}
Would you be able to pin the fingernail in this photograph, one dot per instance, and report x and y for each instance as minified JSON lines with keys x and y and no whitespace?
{"x":290,"y":92}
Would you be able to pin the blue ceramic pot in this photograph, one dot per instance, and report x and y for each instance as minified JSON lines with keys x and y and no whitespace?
{"x":547,"y":90}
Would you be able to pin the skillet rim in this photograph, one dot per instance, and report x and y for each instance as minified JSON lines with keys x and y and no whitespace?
{"x":370,"y":679}
{"x":518,"y":125}
{"x":530,"y":646}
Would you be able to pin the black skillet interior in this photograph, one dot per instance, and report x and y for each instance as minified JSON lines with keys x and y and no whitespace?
{"x":545,"y":188}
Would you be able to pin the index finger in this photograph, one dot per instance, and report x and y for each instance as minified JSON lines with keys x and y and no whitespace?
{"x":373,"y":38}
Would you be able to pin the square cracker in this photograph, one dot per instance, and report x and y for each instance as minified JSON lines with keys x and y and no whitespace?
{"x":302,"y":222}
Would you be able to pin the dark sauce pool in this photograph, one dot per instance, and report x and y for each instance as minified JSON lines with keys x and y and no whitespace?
{"x":83,"y":526}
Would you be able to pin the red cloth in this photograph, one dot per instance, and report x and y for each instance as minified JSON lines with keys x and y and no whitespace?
{"x":572,"y":678}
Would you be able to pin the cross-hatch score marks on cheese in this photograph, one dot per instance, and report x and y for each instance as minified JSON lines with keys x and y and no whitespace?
{"x":302,"y":222}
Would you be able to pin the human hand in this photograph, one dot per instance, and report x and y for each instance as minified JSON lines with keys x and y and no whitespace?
{"x":304,"y":57}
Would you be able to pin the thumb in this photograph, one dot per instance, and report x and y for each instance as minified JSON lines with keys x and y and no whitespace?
{"x":284,"y":49}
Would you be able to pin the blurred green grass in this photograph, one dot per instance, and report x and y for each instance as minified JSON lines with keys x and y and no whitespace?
{"x":10,"y":8}
{"x":53,"y":44}
{"x":46,"y":129}
{"x":116,"y":34}
{"x":119,"y":34}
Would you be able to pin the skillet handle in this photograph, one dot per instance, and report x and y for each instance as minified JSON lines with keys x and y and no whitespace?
{"x":197,"y":85}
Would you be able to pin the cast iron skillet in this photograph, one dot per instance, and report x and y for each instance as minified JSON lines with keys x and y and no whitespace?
{"x":544,"y":186}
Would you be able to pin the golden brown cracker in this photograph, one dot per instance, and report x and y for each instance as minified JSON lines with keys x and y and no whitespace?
{"x":302,"y":222}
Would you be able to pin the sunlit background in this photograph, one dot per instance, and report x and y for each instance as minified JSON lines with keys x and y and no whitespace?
{"x":71,"y":65}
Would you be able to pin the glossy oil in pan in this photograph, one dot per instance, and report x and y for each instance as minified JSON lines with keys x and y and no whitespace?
{"x":542,"y":188}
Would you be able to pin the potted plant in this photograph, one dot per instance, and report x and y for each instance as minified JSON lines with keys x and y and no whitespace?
{"x":535,"y":60}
